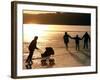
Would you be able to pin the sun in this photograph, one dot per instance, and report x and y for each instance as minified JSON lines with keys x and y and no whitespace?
{"x":31,"y":30}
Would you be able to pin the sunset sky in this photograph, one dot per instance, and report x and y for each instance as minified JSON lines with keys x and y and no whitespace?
{"x":43,"y":17}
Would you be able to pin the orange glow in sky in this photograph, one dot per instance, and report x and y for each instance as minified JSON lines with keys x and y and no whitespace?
{"x":36,"y":12}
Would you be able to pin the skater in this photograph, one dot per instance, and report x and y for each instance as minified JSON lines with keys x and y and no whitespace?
{"x":77,"y":42}
{"x":32,"y":47}
{"x":86,"y":38}
{"x":66,"y":39}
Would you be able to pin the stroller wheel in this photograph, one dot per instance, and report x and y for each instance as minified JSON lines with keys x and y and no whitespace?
{"x":51,"y":61}
{"x":43,"y":62}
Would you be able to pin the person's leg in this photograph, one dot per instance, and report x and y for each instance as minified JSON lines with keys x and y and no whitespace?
{"x":84,"y":45}
{"x":87,"y":45}
{"x":31,"y":55}
{"x":29,"y":58}
{"x":67,"y":46}
{"x":78,"y":46}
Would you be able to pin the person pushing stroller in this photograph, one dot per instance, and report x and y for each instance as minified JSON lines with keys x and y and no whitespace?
{"x":32,"y":47}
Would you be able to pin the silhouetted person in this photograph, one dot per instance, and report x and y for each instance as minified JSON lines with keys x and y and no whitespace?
{"x":32,"y":47}
{"x":86,"y":38}
{"x":66,"y":39}
{"x":77,"y":42}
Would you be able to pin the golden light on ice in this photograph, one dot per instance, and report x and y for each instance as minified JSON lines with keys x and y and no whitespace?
{"x":31,"y":30}
{"x":41,"y":30}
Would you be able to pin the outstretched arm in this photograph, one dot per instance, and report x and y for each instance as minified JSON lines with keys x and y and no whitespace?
{"x":73,"y":37}
{"x":83,"y":37}
{"x":70,"y":37}
{"x":37,"y":48}
{"x":80,"y":38}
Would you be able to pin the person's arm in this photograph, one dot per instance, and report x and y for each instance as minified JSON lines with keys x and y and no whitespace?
{"x":36,"y":48}
{"x":83,"y":37}
{"x":73,"y":37}
{"x":80,"y":38}
{"x":70,"y":36}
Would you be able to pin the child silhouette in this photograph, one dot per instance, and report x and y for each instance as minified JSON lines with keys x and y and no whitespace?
{"x":77,"y":42}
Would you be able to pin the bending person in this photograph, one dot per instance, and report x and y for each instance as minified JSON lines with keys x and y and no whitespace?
{"x":32,"y":47}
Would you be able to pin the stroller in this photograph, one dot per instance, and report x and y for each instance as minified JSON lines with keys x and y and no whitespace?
{"x":47,"y":57}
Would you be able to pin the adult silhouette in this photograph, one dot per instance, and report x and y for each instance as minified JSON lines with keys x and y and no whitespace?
{"x":32,"y":47}
{"x":86,"y":38}
{"x":77,"y":42}
{"x":66,"y":39}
